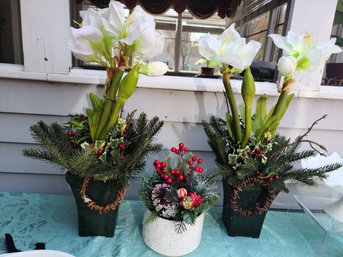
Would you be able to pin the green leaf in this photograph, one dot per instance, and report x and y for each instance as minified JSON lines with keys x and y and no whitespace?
{"x":229,"y":125}
{"x":260,"y":113}
{"x":188,"y":216}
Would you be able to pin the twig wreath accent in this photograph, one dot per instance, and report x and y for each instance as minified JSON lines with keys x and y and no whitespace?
{"x":258,"y":210}
{"x":101,"y":209}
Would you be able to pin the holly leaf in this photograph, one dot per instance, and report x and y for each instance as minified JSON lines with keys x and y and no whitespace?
{"x":188,"y":216}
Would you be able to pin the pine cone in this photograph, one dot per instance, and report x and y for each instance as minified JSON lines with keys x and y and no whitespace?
{"x":162,"y":200}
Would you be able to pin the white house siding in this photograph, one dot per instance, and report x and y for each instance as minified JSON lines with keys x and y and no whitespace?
{"x":24,"y":102}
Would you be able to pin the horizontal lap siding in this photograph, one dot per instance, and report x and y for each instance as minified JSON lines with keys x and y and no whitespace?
{"x":24,"y":102}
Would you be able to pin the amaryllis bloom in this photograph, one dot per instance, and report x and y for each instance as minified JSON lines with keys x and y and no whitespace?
{"x":107,"y":36}
{"x":229,"y":48}
{"x":305,"y":48}
{"x":154,"y":69}
{"x":287,"y":65}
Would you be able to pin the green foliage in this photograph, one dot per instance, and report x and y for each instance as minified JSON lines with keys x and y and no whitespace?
{"x":162,"y":195}
{"x":57,"y":148}
{"x":274,"y":161}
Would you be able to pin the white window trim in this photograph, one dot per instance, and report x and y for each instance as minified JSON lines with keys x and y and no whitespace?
{"x":51,"y":39}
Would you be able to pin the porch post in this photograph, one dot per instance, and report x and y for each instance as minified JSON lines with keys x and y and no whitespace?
{"x":316,"y":17}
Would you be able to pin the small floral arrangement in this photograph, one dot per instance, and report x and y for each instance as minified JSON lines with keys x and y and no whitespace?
{"x":178,"y":190}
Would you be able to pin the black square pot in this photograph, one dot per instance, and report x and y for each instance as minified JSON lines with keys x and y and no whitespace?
{"x":237,"y":224}
{"x":91,"y":222}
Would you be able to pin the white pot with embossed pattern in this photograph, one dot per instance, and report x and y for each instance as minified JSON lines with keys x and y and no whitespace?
{"x":160,"y":236}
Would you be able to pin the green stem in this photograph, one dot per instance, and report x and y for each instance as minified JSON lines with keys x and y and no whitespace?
{"x":233,"y":106}
{"x":282,"y":101}
{"x":110,"y":95}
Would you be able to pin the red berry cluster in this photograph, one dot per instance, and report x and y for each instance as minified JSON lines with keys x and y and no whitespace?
{"x":177,"y":175}
{"x":269,"y":177}
{"x":181,"y":150}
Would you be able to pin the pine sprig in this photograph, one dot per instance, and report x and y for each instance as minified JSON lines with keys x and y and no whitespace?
{"x":57,"y":149}
{"x":281,"y":159}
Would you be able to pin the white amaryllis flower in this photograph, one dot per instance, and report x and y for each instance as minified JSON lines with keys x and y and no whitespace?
{"x":287,"y":65}
{"x":86,"y":44}
{"x":154,"y":69}
{"x":305,"y":49}
{"x":229,"y":48}
{"x":107,"y":36}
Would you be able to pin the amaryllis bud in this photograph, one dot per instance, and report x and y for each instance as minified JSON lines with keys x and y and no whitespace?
{"x":182,"y":193}
{"x":154,"y":69}
{"x":287,"y":65}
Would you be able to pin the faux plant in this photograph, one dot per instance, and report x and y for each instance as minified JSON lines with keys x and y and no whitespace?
{"x":178,"y":190}
{"x":245,"y":143}
{"x":110,"y":39}
{"x":101,"y":144}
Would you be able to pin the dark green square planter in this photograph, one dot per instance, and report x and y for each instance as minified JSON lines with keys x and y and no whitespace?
{"x":92,"y":223}
{"x":237,"y":224}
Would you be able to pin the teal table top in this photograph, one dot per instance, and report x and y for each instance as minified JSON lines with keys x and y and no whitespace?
{"x":52,"y":219}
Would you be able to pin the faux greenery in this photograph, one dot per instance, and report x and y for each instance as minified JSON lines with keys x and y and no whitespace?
{"x":274,"y":160}
{"x":178,"y":190}
{"x":119,"y":157}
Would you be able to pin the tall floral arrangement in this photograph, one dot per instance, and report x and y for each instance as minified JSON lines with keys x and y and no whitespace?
{"x":246,"y":143}
{"x":100,"y":143}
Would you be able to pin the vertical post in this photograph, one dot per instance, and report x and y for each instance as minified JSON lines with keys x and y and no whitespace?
{"x":312,"y":16}
{"x":45,"y":34}
{"x":178,"y":43}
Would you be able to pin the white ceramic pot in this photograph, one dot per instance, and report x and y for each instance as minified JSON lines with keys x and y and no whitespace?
{"x":160,"y":236}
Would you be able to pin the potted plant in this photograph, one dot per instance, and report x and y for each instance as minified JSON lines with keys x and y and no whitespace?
{"x":176,"y":197}
{"x":100,"y":150}
{"x":254,"y":162}
{"x":208,"y":67}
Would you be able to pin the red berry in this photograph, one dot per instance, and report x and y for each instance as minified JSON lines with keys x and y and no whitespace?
{"x":177,"y":172}
{"x":186,"y":149}
{"x":177,"y":151}
{"x":270,"y":179}
{"x":260,"y":174}
{"x":100,"y":152}
{"x":165,"y":177}
{"x":173,"y":149}
{"x":122,"y":157}
{"x":169,"y":180}
{"x":155,"y":162}
{"x":196,"y":169}
{"x":163,"y":164}
{"x":181,"y":177}
{"x":190,"y":163}
{"x":82,"y":117}
{"x":276,"y":177}
{"x":181,"y":146}
{"x":158,"y":165}
{"x":172,"y":172}
{"x":199,"y":161}
{"x":194,"y":158}
{"x":200,"y":170}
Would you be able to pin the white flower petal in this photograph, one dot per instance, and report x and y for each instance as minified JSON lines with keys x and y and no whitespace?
{"x":209,"y":46}
{"x":116,"y":14}
{"x":154,"y":69}
{"x":281,"y":42}
{"x":158,"y":46}
{"x":230,"y":34}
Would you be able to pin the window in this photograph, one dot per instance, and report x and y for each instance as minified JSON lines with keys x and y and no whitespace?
{"x":10,"y":32}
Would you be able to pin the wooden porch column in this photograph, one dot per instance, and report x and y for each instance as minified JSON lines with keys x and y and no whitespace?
{"x":316,"y":17}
